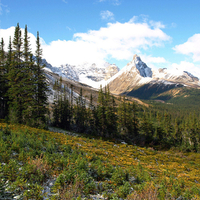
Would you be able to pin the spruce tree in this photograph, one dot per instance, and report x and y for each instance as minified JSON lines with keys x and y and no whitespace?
{"x":101,"y":113}
{"x":80,"y":113}
{"x":91,"y":113}
{"x":3,"y":81}
{"x":29,"y":83}
{"x":17,"y":43}
{"x":122,"y":117}
{"x":110,"y":115}
{"x":15,"y":77}
{"x":27,"y":50}
{"x":41,"y":86}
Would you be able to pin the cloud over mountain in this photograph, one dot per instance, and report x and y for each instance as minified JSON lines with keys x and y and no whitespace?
{"x":116,"y":40}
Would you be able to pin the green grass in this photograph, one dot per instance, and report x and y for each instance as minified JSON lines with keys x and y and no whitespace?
{"x":81,"y":165}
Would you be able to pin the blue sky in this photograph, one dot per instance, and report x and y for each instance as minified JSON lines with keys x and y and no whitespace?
{"x":162,"y":33}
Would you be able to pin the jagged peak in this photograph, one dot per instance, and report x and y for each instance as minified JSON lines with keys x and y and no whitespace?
{"x":135,"y":56}
{"x":143,"y":69}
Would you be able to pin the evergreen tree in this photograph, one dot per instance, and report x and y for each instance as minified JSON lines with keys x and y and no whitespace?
{"x":29,"y":83}
{"x":122,"y":117}
{"x":135,"y":121}
{"x":3,"y":82}
{"x":15,"y":77}
{"x":41,"y":86}
{"x":80,"y":113}
{"x":110,"y":114}
{"x":27,"y":50}
{"x":17,"y":43}
{"x":91,"y":117}
{"x":101,"y":122}
{"x":147,"y":129}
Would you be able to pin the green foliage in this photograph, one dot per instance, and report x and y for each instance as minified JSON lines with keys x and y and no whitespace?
{"x":23,"y":93}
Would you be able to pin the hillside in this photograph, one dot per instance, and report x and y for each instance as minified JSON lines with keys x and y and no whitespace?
{"x":69,"y":165}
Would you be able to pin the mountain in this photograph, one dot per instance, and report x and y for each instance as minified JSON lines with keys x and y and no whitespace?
{"x":138,"y":80}
{"x":91,"y":74}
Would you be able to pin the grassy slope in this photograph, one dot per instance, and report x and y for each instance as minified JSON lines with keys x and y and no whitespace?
{"x":179,"y":172}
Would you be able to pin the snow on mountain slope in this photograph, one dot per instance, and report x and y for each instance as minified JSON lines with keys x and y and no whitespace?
{"x":91,"y":74}
{"x":137,"y":73}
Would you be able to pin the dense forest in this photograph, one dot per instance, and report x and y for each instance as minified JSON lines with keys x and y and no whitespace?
{"x":23,"y":89}
{"x":161,"y":125}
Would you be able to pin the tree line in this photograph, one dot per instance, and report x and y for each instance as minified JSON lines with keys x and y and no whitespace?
{"x":126,"y":120}
{"x":23,"y":86}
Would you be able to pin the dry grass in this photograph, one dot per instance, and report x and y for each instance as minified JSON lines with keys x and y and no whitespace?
{"x":148,"y":194}
{"x":71,"y":191}
{"x":40,"y":164}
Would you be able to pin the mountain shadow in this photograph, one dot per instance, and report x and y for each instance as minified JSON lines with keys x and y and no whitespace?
{"x":153,"y":90}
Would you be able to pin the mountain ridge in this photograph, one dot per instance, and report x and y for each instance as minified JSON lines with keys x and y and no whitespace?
{"x":136,"y":79}
{"x":136,"y":74}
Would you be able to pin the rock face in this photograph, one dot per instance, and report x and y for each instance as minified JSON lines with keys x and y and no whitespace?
{"x":111,"y":70}
{"x":133,"y":74}
{"x":137,"y":74}
{"x":86,"y":73}
{"x":143,"y":69}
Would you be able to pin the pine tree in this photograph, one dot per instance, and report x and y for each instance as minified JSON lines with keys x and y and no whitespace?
{"x":80,"y":113}
{"x":41,"y":86}
{"x":3,"y":82}
{"x":66,"y":114}
{"x":122,"y":117}
{"x":110,"y":113}
{"x":17,"y":43}
{"x":27,"y":51}
{"x":15,"y":77}
{"x":135,"y":120}
{"x":28,"y":83}
{"x":91,"y":117}
{"x":101,"y":113}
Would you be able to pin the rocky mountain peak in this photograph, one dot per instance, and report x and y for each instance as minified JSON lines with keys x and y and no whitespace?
{"x":143,"y":69}
{"x":191,"y":76}
{"x":111,"y":70}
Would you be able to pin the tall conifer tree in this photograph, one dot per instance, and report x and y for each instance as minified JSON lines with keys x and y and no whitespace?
{"x":41,"y":86}
{"x":15,"y":77}
{"x":3,"y":81}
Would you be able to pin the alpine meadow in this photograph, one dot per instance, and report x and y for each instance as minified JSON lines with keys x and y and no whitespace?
{"x":136,"y":136}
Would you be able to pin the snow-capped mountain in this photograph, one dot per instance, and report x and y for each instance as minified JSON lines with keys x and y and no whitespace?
{"x":91,"y":74}
{"x":136,"y":74}
{"x":135,"y":79}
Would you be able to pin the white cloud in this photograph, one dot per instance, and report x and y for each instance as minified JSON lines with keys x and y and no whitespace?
{"x":153,"y":60}
{"x":117,"y":40}
{"x":191,"y":47}
{"x":107,"y":15}
{"x":187,"y":66}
